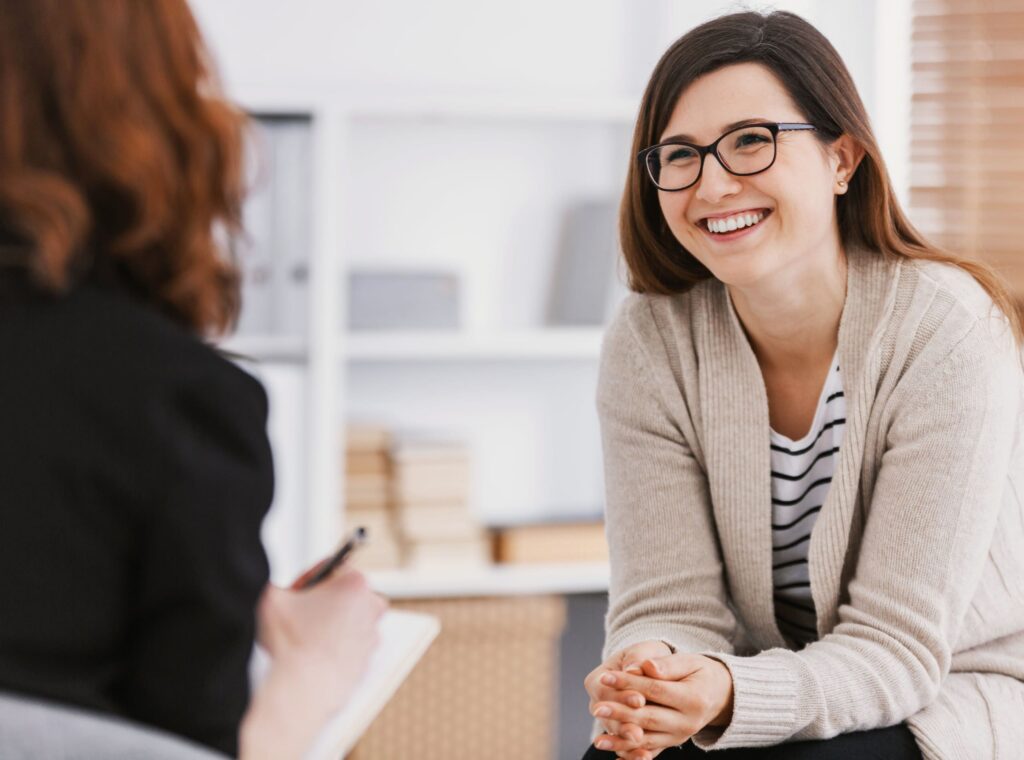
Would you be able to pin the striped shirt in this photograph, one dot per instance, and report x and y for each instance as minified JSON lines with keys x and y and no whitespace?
{"x":801,"y":474}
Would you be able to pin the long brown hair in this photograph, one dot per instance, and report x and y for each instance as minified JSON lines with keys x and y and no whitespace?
{"x":117,"y":152}
{"x":812,"y":72}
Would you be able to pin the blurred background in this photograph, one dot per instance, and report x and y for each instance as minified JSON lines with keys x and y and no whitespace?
{"x":431,"y":258}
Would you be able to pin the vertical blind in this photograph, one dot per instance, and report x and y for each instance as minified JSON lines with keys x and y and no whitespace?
{"x":967,"y":142}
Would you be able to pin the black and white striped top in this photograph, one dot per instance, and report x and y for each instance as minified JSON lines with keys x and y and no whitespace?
{"x":801,"y":474}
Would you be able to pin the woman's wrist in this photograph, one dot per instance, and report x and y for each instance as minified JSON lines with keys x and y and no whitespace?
{"x":284,"y":713}
{"x":724,"y":716}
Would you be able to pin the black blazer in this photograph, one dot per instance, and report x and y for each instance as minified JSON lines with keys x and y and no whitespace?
{"x":135,"y":472}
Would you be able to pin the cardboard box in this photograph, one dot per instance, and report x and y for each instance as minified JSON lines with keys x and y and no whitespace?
{"x":487,"y":688}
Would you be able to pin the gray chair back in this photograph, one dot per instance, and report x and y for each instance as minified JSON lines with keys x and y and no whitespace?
{"x":32,"y":728}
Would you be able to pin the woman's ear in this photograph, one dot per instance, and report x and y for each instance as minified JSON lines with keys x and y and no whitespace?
{"x":845,"y":155}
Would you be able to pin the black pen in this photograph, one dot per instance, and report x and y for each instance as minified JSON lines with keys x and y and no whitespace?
{"x":330,"y":565}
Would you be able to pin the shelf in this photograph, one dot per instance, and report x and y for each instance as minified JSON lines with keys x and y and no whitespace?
{"x":492,"y":580}
{"x":280,"y":348}
{"x":540,"y":344}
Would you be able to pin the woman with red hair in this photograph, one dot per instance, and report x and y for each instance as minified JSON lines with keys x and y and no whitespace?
{"x":134,"y":460}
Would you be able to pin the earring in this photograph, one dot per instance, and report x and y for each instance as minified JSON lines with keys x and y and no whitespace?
{"x":842,"y":183}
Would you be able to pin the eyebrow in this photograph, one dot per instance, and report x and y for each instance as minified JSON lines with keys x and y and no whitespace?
{"x":726,"y":128}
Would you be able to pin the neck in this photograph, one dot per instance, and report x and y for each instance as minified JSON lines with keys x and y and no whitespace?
{"x":792,"y":318}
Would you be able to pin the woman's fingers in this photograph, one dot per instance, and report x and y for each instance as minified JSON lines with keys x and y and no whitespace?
{"x":599,"y":692}
{"x":690,"y":700}
{"x":641,"y":754}
{"x":673,"y":667}
{"x":649,"y":718}
{"x":626,"y":697}
{"x":650,"y":742}
{"x":652,"y":689}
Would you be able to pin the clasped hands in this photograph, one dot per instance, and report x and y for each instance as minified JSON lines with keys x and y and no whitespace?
{"x":648,"y":699}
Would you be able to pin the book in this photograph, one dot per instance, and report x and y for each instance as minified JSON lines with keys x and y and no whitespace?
{"x":451,"y":488}
{"x":357,"y":486}
{"x":367,"y":463}
{"x":426,"y":522}
{"x":382,"y":550}
{"x":469,"y":553}
{"x":412,"y":448}
{"x":366,"y":437}
{"x":404,"y":639}
{"x":551,"y":542}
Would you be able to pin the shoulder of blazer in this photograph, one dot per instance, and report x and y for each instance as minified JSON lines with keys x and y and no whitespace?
{"x":118,"y":340}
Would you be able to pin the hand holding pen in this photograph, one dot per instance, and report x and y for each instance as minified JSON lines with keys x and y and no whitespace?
{"x":323,"y":569}
{"x":319,"y":635}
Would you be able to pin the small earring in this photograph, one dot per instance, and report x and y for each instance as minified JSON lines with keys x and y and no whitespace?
{"x":842,"y":183}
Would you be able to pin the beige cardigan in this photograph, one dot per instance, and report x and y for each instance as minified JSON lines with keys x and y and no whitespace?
{"x":917,"y":557}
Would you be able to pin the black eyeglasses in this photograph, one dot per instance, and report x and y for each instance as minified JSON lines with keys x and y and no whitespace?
{"x":677,"y":165}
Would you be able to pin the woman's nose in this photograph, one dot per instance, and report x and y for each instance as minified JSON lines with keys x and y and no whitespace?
{"x":715,"y":182}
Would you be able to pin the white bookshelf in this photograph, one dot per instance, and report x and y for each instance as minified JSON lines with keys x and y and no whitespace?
{"x":328,"y":355}
{"x":552,"y":343}
{"x":291,"y":349}
{"x":493,"y":580}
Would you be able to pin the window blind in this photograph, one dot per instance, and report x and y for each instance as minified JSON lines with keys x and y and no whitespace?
{"x":967,"y":141}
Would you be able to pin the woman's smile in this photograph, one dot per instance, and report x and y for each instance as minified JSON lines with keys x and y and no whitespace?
{"x":730,"y":227}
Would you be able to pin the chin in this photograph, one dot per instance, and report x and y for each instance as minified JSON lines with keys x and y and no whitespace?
{"x":740,"y":269}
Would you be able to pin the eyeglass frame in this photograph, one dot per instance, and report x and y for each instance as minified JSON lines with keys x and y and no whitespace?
{"x":704,"y":150}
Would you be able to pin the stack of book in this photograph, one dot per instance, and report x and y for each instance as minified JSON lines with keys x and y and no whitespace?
{"x":367,"y":496}
{"x":554,"y":542}
{"x":430,"y":493}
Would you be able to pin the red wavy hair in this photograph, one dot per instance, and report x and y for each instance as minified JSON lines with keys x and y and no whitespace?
{"x":117,"y":149}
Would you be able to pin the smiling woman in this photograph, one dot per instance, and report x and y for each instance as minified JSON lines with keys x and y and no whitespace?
{"x":813,"y":435}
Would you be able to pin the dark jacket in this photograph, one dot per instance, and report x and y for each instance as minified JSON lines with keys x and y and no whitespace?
{"x":135,"y":472}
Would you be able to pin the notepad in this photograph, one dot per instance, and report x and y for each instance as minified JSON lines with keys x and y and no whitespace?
{"x":404,"y":639}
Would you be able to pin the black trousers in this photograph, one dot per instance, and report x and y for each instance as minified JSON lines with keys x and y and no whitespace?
{"x":892,"y":743}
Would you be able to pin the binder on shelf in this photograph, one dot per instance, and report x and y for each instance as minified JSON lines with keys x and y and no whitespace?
{"x":254,"y":250}
{"x":293,"y":186}
{"x":403,"y":300}
{"x":274,"y":252}
{"x":585,"y":284}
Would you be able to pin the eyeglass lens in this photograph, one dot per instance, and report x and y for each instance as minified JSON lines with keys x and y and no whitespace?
{"x":747,"y":150}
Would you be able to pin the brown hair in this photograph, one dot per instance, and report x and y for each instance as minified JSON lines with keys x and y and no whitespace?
{"x":812,"y":72}
{"x":116,"y":152}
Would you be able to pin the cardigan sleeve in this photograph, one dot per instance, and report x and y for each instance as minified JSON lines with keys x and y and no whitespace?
{"x":931,"y":521}
{"x":666,"y":567}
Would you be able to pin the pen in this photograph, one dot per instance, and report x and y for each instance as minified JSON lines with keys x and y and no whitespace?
{"x":330,"y":565}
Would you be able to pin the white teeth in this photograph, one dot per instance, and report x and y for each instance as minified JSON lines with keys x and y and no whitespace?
{"x":734,"y":222}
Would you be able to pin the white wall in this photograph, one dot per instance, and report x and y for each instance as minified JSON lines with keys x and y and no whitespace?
{"x":579,"y":47}
{"x":569,"y":45}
